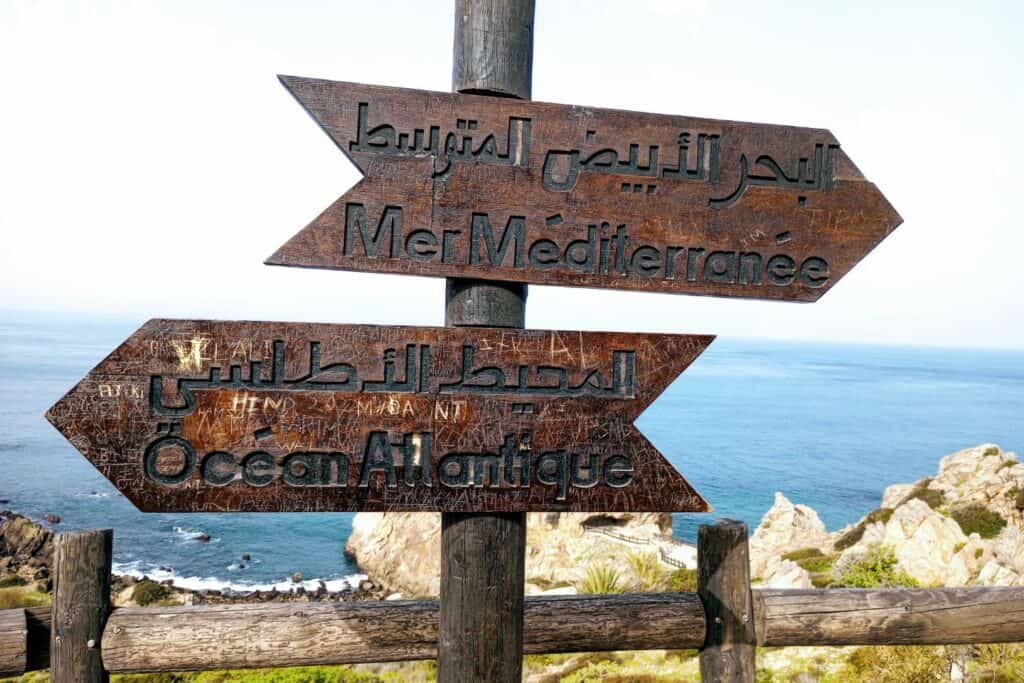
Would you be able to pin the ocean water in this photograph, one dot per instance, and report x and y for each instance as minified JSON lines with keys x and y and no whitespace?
{"x":829,"y":425}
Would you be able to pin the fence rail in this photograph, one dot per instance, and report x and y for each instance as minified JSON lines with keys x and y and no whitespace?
{"x":140,"y":639}
{"x":203,"y":637}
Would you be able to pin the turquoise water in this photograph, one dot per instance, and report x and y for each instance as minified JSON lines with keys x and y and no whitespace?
{"x":829,"y":425}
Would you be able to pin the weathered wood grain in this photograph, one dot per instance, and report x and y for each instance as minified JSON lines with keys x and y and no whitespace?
{"x":460,"y":185}
{"x":483,"y":555}
{"x":81,"y":603}
{"x":245,"y":416}
{"x":723,"y":583}
{"x":211,"y":637}
{"x":916,"y":616}
{"x":13,"y":642}
{"x":289,"y":634}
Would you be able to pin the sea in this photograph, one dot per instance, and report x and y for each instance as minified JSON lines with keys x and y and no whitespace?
{"x":828,"y":425}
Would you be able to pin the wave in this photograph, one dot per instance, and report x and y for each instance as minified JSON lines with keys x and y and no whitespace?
{"x":92,"y":494}
{"x":194,"y":535}
{"x":138,"y":569}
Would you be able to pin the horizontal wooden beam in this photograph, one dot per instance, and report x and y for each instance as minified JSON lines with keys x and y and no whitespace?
{"x":916,"y":616}
{"x":295,"y":634}
{"x":13,"y":642}
{"x":292,"y":634}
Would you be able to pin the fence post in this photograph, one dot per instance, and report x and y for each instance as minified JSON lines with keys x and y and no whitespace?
{"x":81,"y":604}
{"x":723,"y":583}
{"x":483,"y":555}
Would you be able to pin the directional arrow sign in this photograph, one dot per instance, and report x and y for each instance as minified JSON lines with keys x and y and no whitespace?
{"x":483,"y":187}
{"x":257,"y":416}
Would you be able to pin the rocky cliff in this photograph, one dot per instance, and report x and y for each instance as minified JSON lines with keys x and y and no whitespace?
{"x":963,"y":526}
{"x":402,"y":550}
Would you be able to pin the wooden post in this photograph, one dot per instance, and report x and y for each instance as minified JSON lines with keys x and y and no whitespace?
{"x":483,"y":556}
{"x":723,"y":583}
{"x":81,"y":604}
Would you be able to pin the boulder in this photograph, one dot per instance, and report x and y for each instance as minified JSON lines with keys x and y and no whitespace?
{"x":24,"y":543}
{"x":779,"y":573}
{"x":784,"y":528}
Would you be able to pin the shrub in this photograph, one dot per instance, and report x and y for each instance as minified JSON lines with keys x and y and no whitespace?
{"x":1017,"y":495}
{"x":149,"y":592}
{"x":601,"y":578}
{"x":650,"y":576}
{"x":894,"y":664}
{"x":803,"y":554}
{"x":11,"y":580}
{"x":683,"y":580}
{"x":875,"y":569}
{"x":979,"y":519}
{"x":851,"y":537}
{"x":933,"y":498}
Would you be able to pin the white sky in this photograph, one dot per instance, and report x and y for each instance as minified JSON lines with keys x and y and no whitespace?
{"x":150,"y":160}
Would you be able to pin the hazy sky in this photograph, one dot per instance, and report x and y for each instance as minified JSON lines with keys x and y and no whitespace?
{"x":150,"y":160}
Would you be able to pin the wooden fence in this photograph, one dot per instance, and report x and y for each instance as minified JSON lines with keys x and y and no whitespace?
{"x":81,"y":639}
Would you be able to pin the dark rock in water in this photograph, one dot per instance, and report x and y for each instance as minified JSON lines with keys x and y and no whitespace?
{"x":246,"y":557}
{"x":167,"y":582}
{"x":300,"y":590}
{"x":4,"y":501}
{"x":242,"y":566}
{"x":297,"y":577}
{"x":166,"y":569}
{"x":51,"y":519}
{"x":202,"y":538}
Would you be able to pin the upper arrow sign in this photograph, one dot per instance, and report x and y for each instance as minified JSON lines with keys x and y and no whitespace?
{"x":245,"y":416}
{"x":470,"y":186}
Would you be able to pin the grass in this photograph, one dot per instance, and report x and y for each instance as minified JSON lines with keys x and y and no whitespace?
{"x":875,"y":569}
{"x":816,"y":563}
{"x":650,"y":576}
{"x":683,"y":580}
{"x":22,"y":596}
{"x":600,"y":579}
{"x":979,"y":519}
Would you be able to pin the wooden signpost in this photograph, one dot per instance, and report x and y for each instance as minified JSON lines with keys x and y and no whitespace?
{"x":189,"y":416}
{"x":487,"y":421}
{"x":506,"y":189}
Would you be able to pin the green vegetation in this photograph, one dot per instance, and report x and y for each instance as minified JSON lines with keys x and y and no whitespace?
{"x":149,"y":593}
{"x":683,"y":580}
{"x":979,"y":519}
{"x":11,"y":580}
{"x":933,"y":498}
{"x":851,"y":537}
{"x":22,"y":596}
{"x":601,"y":578}
{"x":650,"y":576}
{"x":875,"y":569}
{"x":1016,"y":494}
{"x":1009,"y":462}
{"x":894,"y":664}
{"x":818,"y":564}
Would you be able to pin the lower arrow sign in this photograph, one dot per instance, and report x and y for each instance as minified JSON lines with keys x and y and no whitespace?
{"x":218,"y":416}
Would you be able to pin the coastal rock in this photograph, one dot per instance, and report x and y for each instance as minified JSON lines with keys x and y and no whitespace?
{"x":202,"y":538}
{"x":924,"y":543}
{"x":780,"y":573}
{"x":401,"y":551}
{"x":51,"y":519}
{"x":984,"y":475}
{"x":894,"y":495}
{"x":784,"y":528}
{"x":25,"y":544}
